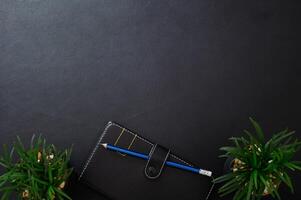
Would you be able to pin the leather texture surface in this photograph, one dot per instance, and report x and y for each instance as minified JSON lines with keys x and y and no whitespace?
{"x":123,"y":177}
{"x":186,"y":74}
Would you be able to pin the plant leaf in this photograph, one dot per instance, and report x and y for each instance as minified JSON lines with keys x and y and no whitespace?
{"x":258,"y":130}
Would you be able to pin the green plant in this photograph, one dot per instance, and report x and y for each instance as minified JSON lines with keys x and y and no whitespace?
{"x":37,"y":173}
{"x":259,"y":167}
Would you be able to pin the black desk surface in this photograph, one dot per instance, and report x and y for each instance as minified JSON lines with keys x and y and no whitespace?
{"x":203,"y":67}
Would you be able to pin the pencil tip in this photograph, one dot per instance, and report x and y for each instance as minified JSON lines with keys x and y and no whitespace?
{"x":104,"y":145}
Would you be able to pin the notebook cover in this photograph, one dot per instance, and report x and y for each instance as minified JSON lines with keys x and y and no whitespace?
{"x":122,"y":177}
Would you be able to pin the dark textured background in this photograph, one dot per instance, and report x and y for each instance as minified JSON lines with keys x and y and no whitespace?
{"x":190,"y":73}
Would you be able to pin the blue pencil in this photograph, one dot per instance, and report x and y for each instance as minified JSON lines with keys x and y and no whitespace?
{"x":168,"y":163}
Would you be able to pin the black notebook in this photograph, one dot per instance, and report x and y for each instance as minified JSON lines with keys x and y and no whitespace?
{"x":121,"y":176}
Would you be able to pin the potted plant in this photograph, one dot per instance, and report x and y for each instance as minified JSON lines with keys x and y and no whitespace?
{"x":259,"y":166}
{"x":37,"y":173}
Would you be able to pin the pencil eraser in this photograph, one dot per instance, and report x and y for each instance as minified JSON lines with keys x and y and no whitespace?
{"x":205,"y":172}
